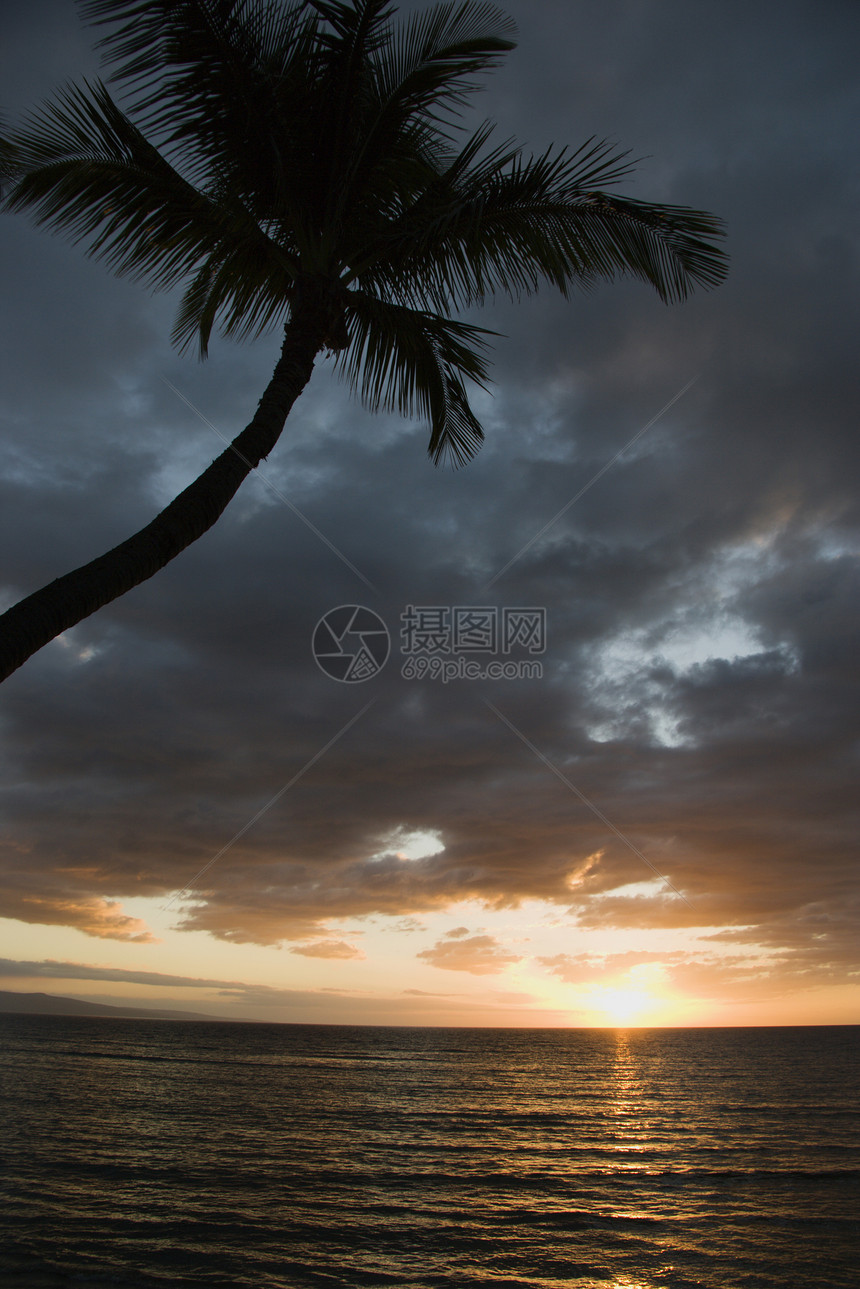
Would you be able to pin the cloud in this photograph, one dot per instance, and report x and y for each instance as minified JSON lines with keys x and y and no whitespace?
{"x":425,"y":993}
{"x":101,"y":918}
{"x":750,"y":976}
{"x":328,"y":949}
{"x":407,"y":925}
{"x":581,"y":968}
{"x":699,"y":682}
{"x":480,"y":955}
{"x":52,"y":969}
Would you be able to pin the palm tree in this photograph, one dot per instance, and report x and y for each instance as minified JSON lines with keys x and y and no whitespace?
{"x":304,"y":165}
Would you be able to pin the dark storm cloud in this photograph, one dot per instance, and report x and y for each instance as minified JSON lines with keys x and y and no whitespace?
{"x":138,"y":748}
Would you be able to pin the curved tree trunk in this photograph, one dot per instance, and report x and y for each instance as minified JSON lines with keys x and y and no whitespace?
{"x":38,"y":619}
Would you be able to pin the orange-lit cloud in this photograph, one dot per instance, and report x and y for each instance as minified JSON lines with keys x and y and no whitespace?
{"x":580,"y":968}
{"x":52,"y":969}
{"x":328,"y":949}
{"x":480,"y":955}
{"x":101,"y":918}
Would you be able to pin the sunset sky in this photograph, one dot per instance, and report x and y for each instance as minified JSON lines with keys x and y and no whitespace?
{"x":662,"y":828}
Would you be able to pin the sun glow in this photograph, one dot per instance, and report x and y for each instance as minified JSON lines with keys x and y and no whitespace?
{"x":622,"y":1006}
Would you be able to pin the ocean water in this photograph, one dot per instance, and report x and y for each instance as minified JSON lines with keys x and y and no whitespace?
{"x":157,"y":1153}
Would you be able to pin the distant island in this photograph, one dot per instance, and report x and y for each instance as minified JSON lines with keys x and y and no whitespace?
{"x":51,"y":1005}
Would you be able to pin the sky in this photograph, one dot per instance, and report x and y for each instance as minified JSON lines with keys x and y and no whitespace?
{"x":648,"y":815}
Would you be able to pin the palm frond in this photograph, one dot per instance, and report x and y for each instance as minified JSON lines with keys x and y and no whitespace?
{"x":357,"y":29}
{"x":431,"y":63}
{"x":245,"y":292}
{"x":214,"y":81}
{"x":413,"y":87}
{"x":155,"y":46}
{"x":669,"y":247}
{"x":8,"y":157}
{"x":504,"y":224}
{"x":415,"y":363}
{"x":84,"y":169}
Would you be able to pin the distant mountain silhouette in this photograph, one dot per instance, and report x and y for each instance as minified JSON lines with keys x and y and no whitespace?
{"x":50,"y":1005}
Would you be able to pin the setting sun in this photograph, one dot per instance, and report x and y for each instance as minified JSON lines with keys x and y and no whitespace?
{"x":622,"y":1006}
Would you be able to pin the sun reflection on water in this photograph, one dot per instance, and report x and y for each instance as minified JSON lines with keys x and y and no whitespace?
{"x":629,"y":1126}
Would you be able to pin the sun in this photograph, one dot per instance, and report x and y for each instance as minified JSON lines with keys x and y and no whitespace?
{"x":622,"y":1006}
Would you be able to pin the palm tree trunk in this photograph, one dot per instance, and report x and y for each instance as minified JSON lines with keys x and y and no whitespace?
{"x":38,"y":619}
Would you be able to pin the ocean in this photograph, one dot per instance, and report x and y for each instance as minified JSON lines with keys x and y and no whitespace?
{"x":158,"y":1153}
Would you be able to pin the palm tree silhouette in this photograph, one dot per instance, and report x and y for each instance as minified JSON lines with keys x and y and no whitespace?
{"x":305,"y":165}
